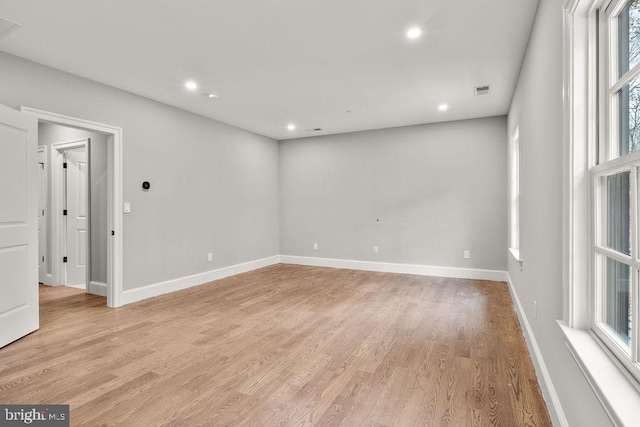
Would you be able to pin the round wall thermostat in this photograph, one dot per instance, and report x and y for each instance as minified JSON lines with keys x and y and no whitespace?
{"x":146,"y":185}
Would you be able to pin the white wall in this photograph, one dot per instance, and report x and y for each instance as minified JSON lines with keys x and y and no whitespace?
{"x":422,"y":194}
{"x":48,"y":134}
{"x":214,"y":187}
{"x":537,"y":106}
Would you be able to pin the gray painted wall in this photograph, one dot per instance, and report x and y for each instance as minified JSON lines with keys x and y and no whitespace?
{"x":48,"y":134}
{"x":422,"y":194}
{"x":214,"y":187}
{"x":537,"y":105}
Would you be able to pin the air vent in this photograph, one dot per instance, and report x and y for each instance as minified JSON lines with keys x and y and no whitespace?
{"x":313,"y":130}
{"x":482,"y":90}
{"x":7,"y":26}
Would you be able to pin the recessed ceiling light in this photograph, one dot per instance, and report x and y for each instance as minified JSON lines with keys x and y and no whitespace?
{"x":291,"y":126}
{"x":213,"y":95}
{"x":414,"y":33}
{"x":443,"y":107}
{"x":191,"y":85}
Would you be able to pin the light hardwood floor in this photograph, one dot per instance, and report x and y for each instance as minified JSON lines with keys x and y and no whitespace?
{"x":284,"y":345}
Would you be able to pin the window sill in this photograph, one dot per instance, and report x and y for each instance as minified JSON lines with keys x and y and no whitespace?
{"x":614,"y":388}
{"x":515,"y":253}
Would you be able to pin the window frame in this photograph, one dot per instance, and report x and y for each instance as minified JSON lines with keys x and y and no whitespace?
{"x":514,"y":194}
{"x":583,"y":125}
{"x":608,"y":162}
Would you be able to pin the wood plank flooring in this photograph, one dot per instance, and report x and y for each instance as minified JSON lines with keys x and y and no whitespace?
{"x":284,"y":345}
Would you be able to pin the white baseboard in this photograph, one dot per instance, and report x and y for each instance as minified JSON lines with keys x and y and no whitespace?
{"x":388,"y":267}
{"x":548,"y":389}
{"x":97,"y":288}
{"x":47,"y":280}
{"x":149,"y":291}
{"x":153,"y":290}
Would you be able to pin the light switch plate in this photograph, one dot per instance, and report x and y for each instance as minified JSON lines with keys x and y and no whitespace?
{"x":127,"y":207}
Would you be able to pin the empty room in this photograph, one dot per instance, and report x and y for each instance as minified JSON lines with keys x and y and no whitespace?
{"x":357,"y":213}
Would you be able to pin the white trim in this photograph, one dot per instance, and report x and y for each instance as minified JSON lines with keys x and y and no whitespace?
{"x":514,"y":191}
{"x":615,"y":390}
{"x":45,"y":277}
{"x":48,"y":280}
{"x":387,"y":267}
{"x":580,"y":85}
{"x":149,"y":291}
{"x":97,"y":288}
{"x":153,"y":290}
{"x":515,"y":253}
{"x":115,"y":199}
{"x":549,"y":391}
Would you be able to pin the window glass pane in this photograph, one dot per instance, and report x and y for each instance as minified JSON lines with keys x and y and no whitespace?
{"x":618,"y":213}
{"x":629,"y":37}
{"x":617,"y":295}
{"x":629,"y":122}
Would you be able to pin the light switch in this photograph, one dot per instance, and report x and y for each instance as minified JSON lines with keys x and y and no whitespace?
{"x":127,"y":207}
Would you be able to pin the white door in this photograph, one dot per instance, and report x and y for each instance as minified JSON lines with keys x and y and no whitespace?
{"x":76,"y":206}
{"x":42,"y":205}
{"x":18,"y":225}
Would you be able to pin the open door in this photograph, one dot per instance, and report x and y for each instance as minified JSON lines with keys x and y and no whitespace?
{"x":77,"y":206}
{"x":18,"y":225}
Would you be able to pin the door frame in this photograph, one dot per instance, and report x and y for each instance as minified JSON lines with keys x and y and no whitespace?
{"x":47,"y":276}
{"x":58,"y":229}
{"x":114,"y":193}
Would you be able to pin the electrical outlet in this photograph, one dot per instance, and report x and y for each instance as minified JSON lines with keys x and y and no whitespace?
{"x":210,"y":257}
{"x":315,"y":246}
{"x":467,"y":254}
{"x":535,"y":310}
{"x":375,"y":249}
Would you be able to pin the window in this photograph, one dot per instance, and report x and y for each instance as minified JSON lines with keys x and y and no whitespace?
{"x":514,"y":194}
{"x":615,"y":176}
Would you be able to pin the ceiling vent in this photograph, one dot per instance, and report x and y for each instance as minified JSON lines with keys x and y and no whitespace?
{"x":7,"y":26}
{"x":313,"y":130}
{"x":482,"y":90}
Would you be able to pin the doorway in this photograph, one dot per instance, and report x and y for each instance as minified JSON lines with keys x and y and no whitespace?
{"x":73,"y":236}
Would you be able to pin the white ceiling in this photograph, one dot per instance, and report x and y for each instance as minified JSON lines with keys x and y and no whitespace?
{"x":275,"y":62}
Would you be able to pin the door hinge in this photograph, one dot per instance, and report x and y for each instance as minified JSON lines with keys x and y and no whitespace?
{"x":42,"y":259}
{"x":64,"y":165}
{"x":64,"y":212}
{"x":64,"y":259}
